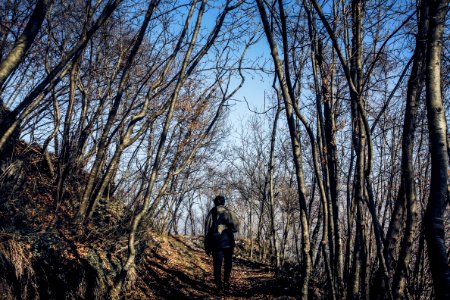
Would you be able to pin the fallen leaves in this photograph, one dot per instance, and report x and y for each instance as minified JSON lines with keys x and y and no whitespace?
{"x":177,"y":266}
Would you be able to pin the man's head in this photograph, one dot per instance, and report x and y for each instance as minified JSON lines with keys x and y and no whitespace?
{"x":219,"y":200}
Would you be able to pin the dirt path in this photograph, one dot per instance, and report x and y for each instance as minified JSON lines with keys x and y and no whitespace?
{"x":253,"y":280}
{"x":178,"y":268}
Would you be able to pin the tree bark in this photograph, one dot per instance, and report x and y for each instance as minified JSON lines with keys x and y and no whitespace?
{"x":437,"y":201}
{"x":415,"y":84}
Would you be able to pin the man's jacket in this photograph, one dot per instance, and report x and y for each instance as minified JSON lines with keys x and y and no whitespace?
{"x":220,"y":226}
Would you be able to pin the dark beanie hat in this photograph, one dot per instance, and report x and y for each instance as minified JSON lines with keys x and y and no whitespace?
{"x":219,"y":200}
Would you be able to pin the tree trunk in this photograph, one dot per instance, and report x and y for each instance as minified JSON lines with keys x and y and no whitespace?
{"x":434,"y":225}
{"x":271,"y":193}
{"x":415,"y":84}
{"x":296,"y":149}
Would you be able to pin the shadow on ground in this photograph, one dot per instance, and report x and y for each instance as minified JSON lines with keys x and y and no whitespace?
{"x":178,"y":268}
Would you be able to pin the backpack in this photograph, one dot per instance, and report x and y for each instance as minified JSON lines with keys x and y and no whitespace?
{"x":220,"y":234}
{"x":212,"y":234}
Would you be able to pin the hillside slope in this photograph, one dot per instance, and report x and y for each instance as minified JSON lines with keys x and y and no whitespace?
{"x":171,"y":267}
{"x":44,"y":254}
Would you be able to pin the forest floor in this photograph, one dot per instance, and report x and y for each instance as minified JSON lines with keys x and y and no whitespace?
{"x":177,"y":267}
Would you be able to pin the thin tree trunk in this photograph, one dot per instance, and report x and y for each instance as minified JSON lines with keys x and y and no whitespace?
{"x":271,"y":193}
{"x":89,"y":201}
{"x":415,"y":83}
{"x":288,"y":101}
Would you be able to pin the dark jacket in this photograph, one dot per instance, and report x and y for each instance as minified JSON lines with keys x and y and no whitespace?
{"x":220,"y":226}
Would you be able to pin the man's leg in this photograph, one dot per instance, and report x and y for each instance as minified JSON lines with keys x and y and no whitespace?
{"x":228,"y":255}
{"x":217,"y":264}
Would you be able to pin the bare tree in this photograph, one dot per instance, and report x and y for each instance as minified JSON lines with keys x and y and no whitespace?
{"x":437,"y":201}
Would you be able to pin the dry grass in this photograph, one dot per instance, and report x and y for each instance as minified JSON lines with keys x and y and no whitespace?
{"x":18,"y":256}
{"x":17,"y":264}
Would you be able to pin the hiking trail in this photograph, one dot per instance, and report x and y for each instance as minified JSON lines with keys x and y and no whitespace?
{"x":176,"y":267}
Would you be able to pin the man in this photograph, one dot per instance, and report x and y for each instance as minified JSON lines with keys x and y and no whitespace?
{"x":220,"y":226}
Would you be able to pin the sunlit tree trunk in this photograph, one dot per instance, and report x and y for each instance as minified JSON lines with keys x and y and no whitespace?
{"x":437,"y":126}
